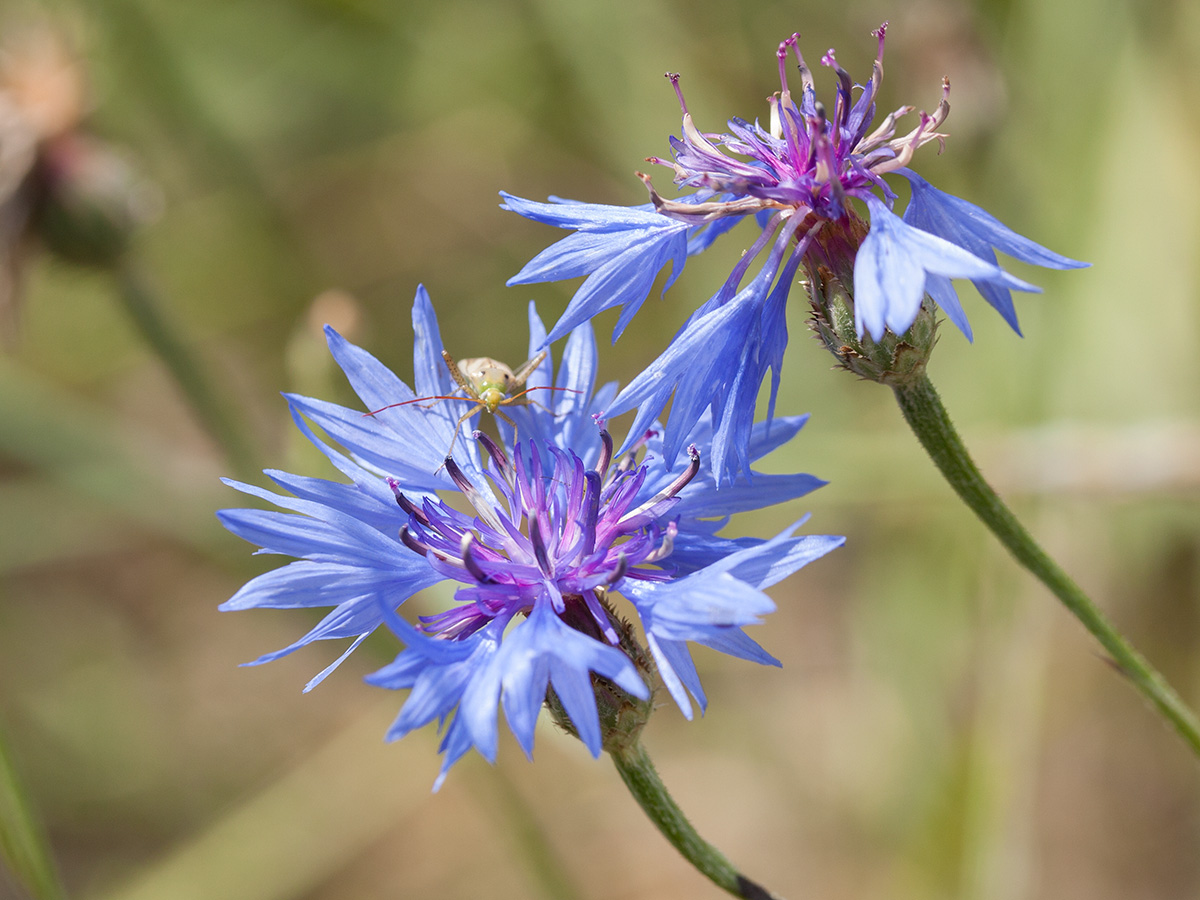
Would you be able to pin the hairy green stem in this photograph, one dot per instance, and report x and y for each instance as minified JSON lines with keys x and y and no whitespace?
{"x":23,"y":844}
{"x":639,"y":775}
{"x":925,"y":414}
{"x":185,"y":368}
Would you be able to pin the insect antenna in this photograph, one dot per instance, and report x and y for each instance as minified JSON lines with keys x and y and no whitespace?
{"x":415,"y":400}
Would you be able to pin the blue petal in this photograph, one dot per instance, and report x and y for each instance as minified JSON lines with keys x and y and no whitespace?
{"x":773,"y":560}
{"x":703,"y":237}
{"x":573,"y":404}
{"x":620,"y":249}
{"x":744,"y":495}
{"x":375,"y":384}
{"x":944,"y":295}
{"x":625,"y":280}
{"x":335,"y":536}
{"x":678,"y":671}
{"x":891,"y":267}
{"x":302,"y":584}
{"x":735,"y":642}
{"x":376,"y":508}
{"x":688,"y":368}
{"x":576,"y":214}
{"x":978,"y":232}
{"x":973,"y":228}
{"x":429,"y":369}
{"x":401,"y":442}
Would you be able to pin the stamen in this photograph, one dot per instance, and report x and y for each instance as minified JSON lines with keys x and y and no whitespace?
{"x":776,"y":123}
{"x":781,"y":55}
{"x":884,"y":132}
{"x":407,"y":505}
{"x":674,"y":79}
{"x":841,"y":107}
{"x":781,"y":117}
{"x":827,"y":170}
{"x":881,"y":33}
{"x":606,"y":450}
{"x":671,"y":489}
{"x":601,"y":617}
{"x":539,"y":546}
{"x":860,"y":115}
{"x":474,"y":497}
{"x":907,"y":145}
{"x":469,"y":560}
{"x":663,"y":550}
{"x":943,"y":107}
{"x":699,"y":213}
{"x":619,"y":572}
{"x":629,"y":460}
{"x":418,"y":546}
{"x":499,"y":457}
{"x":806,"y":79}
{"x":818,"y":126}
{"x":687,"y":475}
{"x":592,"y":511}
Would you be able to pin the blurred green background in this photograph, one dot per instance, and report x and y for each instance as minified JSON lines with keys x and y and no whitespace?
{"x":940,"y":729}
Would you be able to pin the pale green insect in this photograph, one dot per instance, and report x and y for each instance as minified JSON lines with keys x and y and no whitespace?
{"x":489,"y":384}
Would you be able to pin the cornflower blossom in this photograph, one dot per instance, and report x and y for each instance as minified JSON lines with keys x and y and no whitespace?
{"x":558,"y":525}
{"x":796,"y":178}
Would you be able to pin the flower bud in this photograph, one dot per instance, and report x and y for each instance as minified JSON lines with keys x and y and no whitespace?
{"x":894,"y":360}
{"x":92,"y":203}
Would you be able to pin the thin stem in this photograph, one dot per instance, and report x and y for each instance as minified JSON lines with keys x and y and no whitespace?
{"x":23,"y":844}
{"x":639,"y":775}
{"x":185,"y":368}
{"x":928,"y":419}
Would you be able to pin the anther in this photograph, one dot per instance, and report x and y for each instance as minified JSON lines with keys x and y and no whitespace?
{"x":469,"y":560}
{"x":687,"y":475}
{"x":670,"y":490}
{"x":407,"y":539}
{"x":407,"y":505}
{"x":592,"y":512}
{"x":674,"y":79}
{"x":663,"y":550}
{"x":473,"y":496}
{"x":495,"y":451}
{"x":619,"y":572}
{"x":539,"y":546}
{"x":806,"y":79}
{"x":606,"y":450}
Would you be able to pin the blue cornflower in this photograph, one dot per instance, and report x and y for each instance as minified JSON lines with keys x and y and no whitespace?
{"x":558,"y":524}
{"x":796,"y":178}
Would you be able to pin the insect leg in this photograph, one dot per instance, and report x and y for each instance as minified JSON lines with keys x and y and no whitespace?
{"x":526,"y":369}
{"x":505,"y":417}
{"x":458,"y":425}
{"x":461,"y":380}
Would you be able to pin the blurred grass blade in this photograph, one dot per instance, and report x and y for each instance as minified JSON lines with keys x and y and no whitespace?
{"x":86,"y":453}
{"x":299,"y":831}
{"x":186,"y":369}
{"x":529,"y":838}
{"x":22,"y":841}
